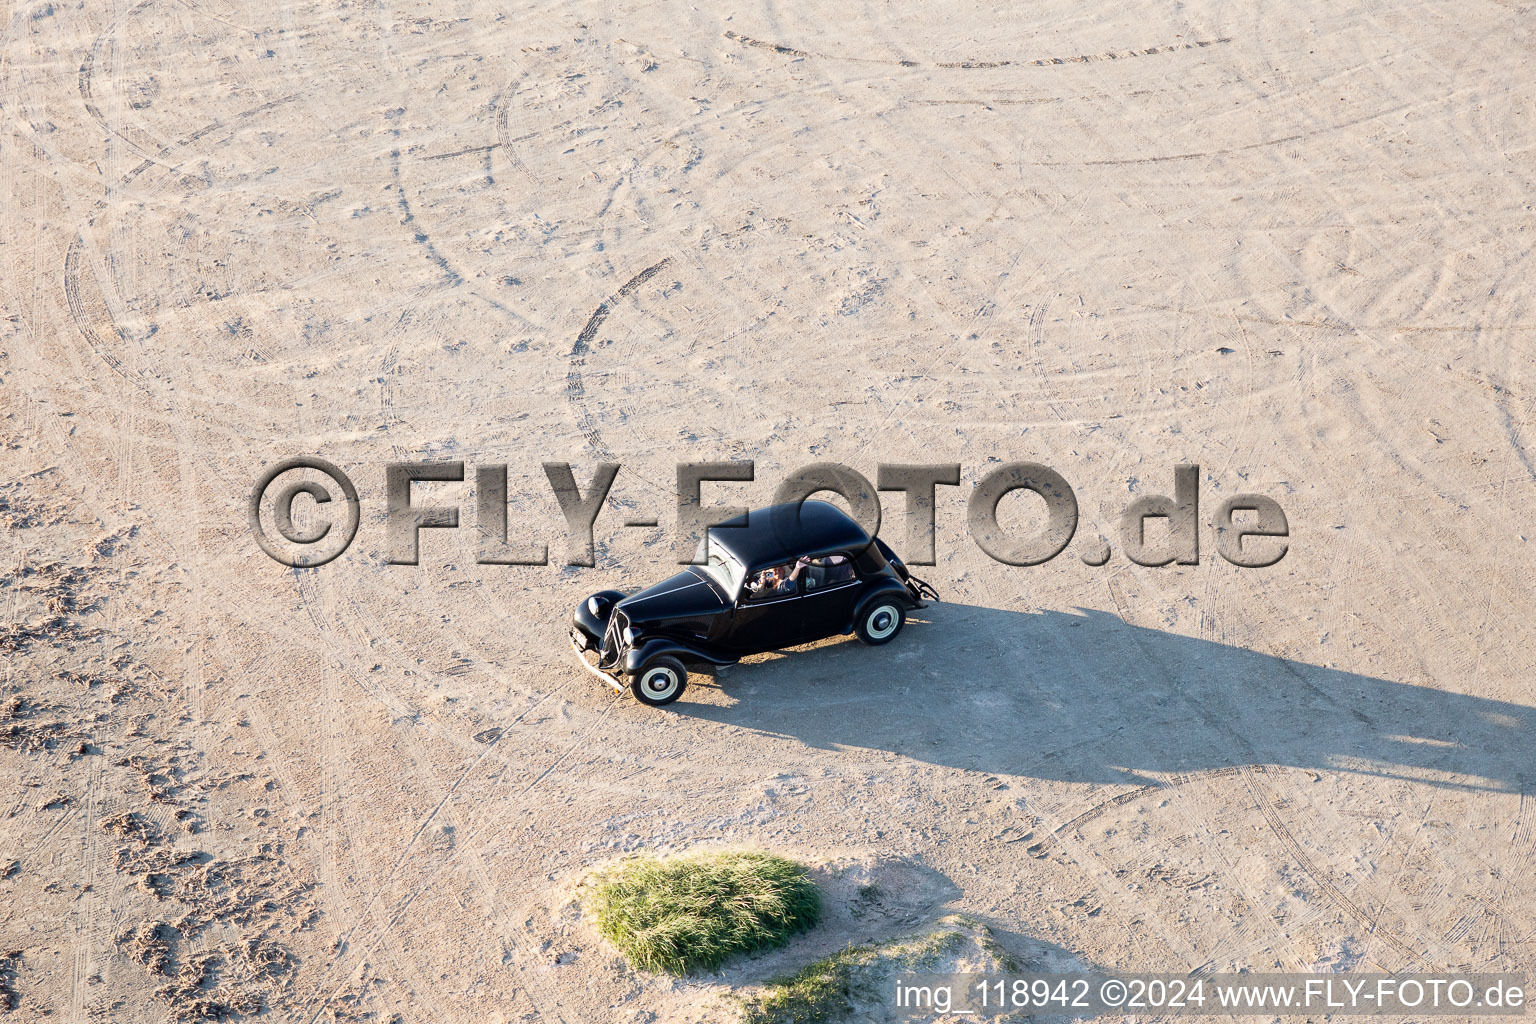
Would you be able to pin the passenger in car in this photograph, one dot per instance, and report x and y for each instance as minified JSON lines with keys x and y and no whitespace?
{"x":839,"y":569}
{"x":827,"y":571}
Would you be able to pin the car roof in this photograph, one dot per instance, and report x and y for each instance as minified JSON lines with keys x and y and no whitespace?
{"x":778,"y":533}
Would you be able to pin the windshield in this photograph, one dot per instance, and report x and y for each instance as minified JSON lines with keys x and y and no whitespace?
{"x":722,"y":566}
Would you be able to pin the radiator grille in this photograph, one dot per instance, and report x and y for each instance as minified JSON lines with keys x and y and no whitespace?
{"x":613,"y":639}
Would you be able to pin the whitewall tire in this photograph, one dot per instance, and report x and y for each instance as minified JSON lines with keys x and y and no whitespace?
{"x":880,"y":622}
{"x":661,"y":681}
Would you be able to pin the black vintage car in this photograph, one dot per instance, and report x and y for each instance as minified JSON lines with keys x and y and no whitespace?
{"x":778,"y":576}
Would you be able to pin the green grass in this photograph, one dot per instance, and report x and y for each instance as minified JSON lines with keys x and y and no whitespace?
{"x":828,"y":991}
{"x":821,"y":993}
{"x":692,"y":912}
{"x":824,"y":992}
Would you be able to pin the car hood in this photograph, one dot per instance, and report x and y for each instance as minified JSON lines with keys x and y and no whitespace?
{"x":680,"y":596}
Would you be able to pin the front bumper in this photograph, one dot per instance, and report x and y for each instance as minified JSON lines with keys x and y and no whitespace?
{"x":582,"y":645}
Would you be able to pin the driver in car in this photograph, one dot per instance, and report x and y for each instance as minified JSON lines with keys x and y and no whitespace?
{"x":774,"y":582}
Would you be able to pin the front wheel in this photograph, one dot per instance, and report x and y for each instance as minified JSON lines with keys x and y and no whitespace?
{"x":660,"y":682}
{"x":881,"y":622}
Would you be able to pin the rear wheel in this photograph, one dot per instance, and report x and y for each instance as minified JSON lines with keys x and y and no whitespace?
{"x":661,"y":681}
{"x":880,"y":622}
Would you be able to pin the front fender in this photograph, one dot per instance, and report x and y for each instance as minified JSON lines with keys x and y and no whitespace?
{"x":595,"y":625}
{"x":889,"y":588}
{"x":636,"y":657}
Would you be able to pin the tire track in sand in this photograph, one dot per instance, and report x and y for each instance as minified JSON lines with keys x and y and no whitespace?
{"x":975,"y":64}
{"x":88,"y":75}
{"x":575,"y":388}
{"x":1370,"y":922}
{"x":1169,"y":784}
{"x":505,"y":927}
{"x":73,"y":296}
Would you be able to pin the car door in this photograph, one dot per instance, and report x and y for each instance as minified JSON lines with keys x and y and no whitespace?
{"x":767,"y":614}
{"x":829,"y":588}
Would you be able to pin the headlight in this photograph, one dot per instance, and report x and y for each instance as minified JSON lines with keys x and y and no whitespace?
{"x":594,"y":607}
{"x":629,"y":635}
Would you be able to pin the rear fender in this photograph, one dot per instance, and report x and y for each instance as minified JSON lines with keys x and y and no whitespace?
{"x":887,"y":589}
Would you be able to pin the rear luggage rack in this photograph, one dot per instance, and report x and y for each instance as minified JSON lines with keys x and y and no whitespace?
{"x":920,"y":589}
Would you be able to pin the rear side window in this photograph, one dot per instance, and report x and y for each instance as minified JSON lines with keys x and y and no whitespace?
{"x":827,"y":571}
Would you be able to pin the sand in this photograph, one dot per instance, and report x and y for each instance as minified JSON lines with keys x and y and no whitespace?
{"x":1291,"y":243}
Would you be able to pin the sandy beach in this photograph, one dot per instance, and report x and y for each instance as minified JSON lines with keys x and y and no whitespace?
{"x":1289,"y":243}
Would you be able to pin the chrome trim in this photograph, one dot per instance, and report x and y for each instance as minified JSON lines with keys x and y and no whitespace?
{"x":612,"y":647}
{"x":604,"y":676}
{"x":827,"y":589}
{"x":758,"y":602}
{"x":666,"y":593}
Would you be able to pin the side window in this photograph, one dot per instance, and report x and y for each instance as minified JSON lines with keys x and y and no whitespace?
{"x":839,"y":569}
{"x":774,"y":581}
{"x":827,"y":571}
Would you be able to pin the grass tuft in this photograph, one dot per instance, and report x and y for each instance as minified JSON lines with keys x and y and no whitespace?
{"x":692,"y":912}
{"x":821,"y":993}
{"x":837,"y":987}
